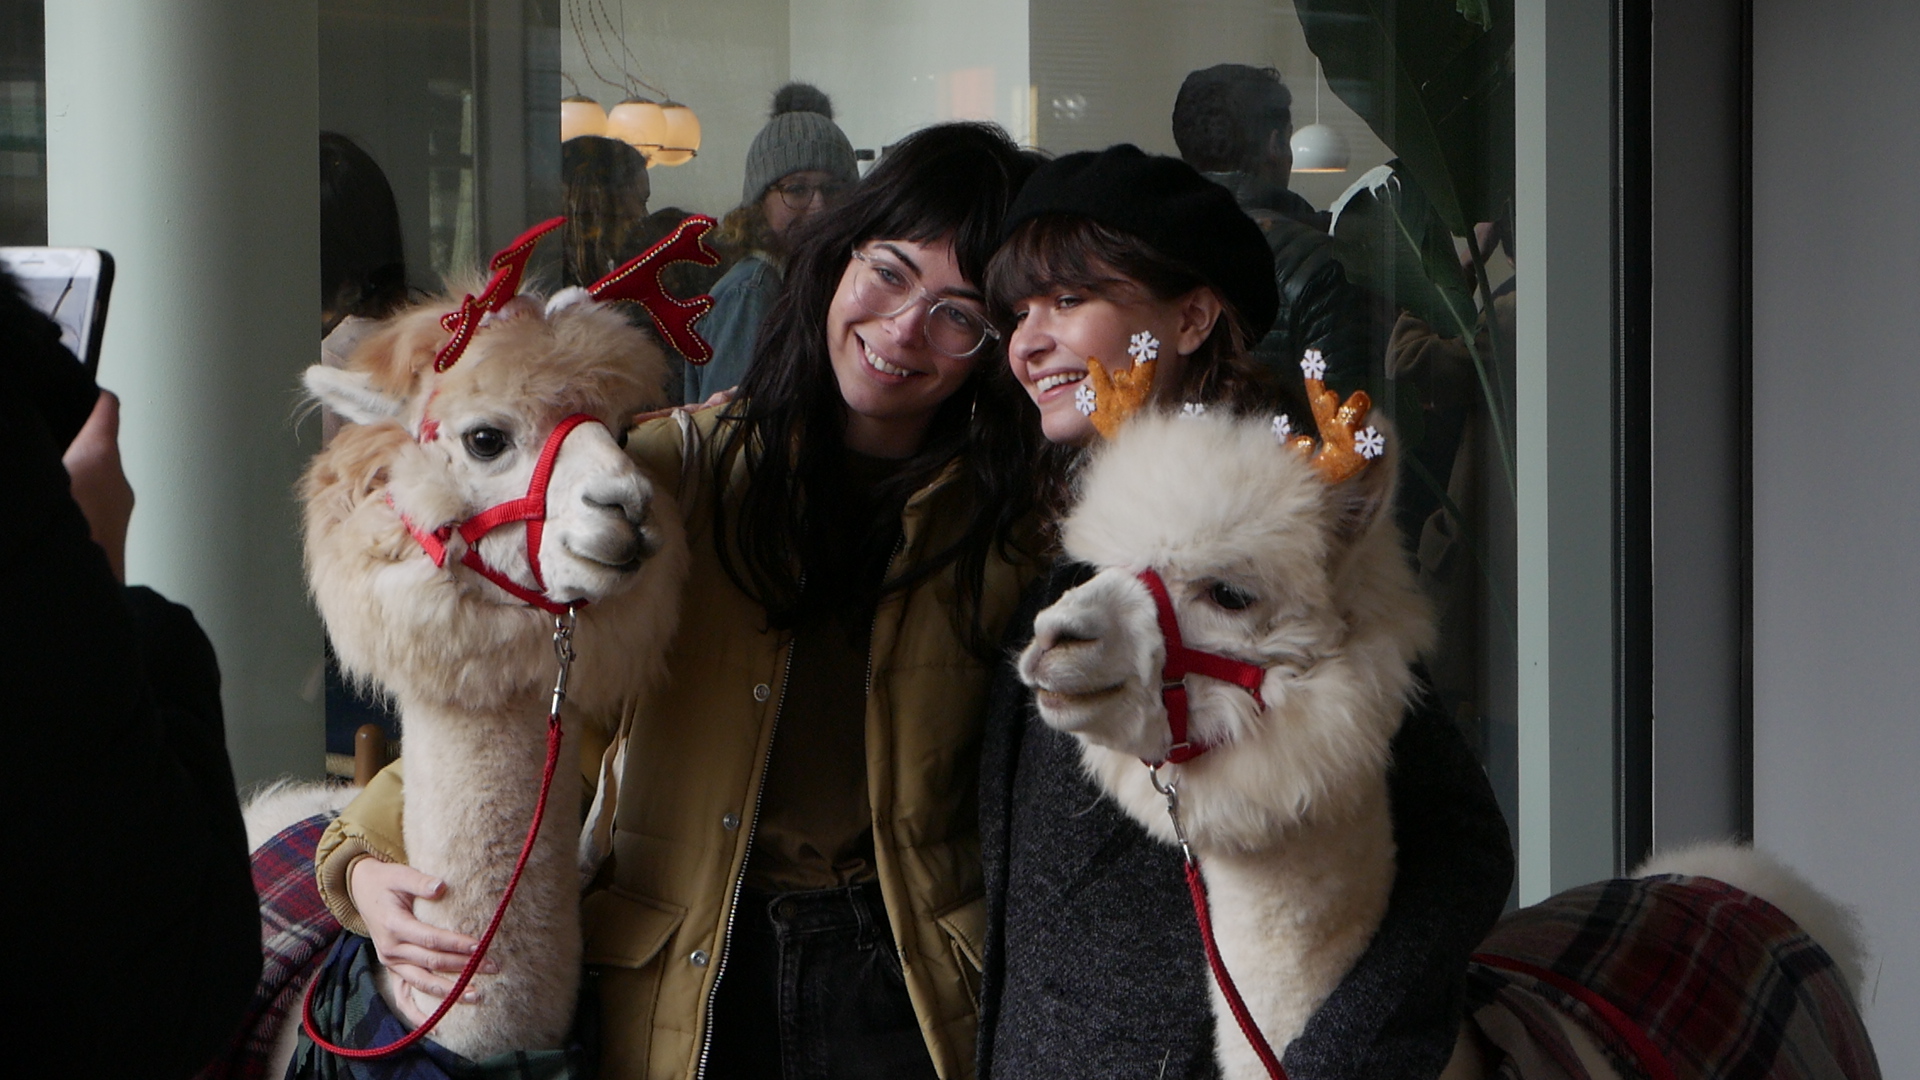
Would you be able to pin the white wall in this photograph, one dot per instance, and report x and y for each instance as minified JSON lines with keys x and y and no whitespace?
{"x":1836,"y":463}
{"x":893,"y":66}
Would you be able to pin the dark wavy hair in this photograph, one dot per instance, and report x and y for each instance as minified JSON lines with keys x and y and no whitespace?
{"x":1224,"y":114}
{"x":604,"y":191}
{"x":363,"y":264}
{"x":1067,"y":251}
{"x":949,"y":182}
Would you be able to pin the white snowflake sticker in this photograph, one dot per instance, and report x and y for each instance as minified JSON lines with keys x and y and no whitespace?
{"x":1282,"y":427}
{"x":1144,"y":347}
{"x":1083,"y":399}
{"x":1193,"y":408}
{"x":1369,"y":442}
{"x":1314,"y":365}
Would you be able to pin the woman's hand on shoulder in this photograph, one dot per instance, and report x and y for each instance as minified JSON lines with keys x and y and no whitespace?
{"x":415,"y":952}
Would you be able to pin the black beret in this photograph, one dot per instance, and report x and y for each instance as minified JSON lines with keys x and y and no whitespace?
{"x":1178,"y":212}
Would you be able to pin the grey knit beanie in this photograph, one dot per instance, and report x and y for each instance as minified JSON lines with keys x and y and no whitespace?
{"x":800,"y":135}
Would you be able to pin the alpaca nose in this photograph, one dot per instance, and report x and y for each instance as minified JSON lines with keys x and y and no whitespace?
{"x":1062,"y":635}
{"x":633,"y":507}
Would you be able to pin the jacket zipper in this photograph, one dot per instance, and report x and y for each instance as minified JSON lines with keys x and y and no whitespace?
{"x":899,"y":545}
{"x":873,"y":628}
{"x":733,"y":907}
{"x":759,"y":793}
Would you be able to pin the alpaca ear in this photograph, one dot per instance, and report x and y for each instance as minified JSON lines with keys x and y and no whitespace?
{"x":1360,"y":499}
{"x":351,"y":394}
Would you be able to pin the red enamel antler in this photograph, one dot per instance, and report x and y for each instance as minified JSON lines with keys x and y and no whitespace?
{"x":508,"y":266}
{"x":639,"y":280}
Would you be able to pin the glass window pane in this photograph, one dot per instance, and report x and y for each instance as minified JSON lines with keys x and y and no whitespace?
{"x":1403,"y":175}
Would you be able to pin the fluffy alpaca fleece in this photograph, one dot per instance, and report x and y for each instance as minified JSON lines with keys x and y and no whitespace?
{"x":1291,"y":818}
{"x":1827,"y":921}
{"x":469,"y":666}
{"x":277,"y":804}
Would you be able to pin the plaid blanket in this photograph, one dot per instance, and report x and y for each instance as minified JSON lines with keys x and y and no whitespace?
{"x":295,"y":929}
{"x":349,"y":1011}
{"x":1675,"y":977}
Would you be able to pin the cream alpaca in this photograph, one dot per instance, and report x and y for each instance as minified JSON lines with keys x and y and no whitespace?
{"x":469,"y":665}
{"x":1265,"y":562}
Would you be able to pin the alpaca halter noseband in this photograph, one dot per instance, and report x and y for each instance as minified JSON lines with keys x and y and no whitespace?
{"x":1182,"y":662}
{"x":637,"y":280}
{"x":530,"y":508}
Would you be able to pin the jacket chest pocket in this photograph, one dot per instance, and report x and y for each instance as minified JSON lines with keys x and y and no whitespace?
{"x":624,"y":935}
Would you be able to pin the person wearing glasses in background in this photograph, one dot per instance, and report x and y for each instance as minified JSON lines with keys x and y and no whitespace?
{"x":797,"y":166}
{"x":794,"y":886}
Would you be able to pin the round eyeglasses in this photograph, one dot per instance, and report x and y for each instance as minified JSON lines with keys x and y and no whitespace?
{"x":884,"y":290}
{"x":798,"y":195}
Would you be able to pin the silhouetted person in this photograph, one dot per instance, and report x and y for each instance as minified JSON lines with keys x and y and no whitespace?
{"x":128,"y":965}
{"x":1233,"y":122}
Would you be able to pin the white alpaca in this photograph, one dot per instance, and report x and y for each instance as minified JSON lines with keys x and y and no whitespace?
{"x":1266,"y":561}
{"x":470,"y":666}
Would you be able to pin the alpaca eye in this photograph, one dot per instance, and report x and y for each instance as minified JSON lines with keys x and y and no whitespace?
{"x":1230,"y":597}
{"x":487,"y":443}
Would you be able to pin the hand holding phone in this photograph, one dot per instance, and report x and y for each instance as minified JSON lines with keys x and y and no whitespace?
{"x":70,"y":286}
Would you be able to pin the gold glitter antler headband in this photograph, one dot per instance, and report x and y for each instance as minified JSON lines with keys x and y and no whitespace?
{"x":1345,"y":447}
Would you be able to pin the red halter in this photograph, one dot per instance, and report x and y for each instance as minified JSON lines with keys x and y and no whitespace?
{"x":530,"y":508}
{"x":1182,"y":662}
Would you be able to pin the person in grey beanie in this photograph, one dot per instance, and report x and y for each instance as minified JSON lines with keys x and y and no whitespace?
{"x":797,"y":165}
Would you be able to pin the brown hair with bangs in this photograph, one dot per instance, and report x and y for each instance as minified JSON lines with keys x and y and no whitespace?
{"x":1068,"y":252}
{"x":1056,"y":252}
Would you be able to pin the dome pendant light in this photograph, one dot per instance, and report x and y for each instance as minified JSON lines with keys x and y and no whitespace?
{"x":581,"y":115}
{"x":682,"y":139}
{"x":639,"y":123}
{"x":1319,"y":148}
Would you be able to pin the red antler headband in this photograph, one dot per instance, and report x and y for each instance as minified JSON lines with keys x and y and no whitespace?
{"x":638,"y":280}
{"x":508,"y":266}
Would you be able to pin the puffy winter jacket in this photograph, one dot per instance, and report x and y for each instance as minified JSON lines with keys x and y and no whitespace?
{"x":1319,"y":308}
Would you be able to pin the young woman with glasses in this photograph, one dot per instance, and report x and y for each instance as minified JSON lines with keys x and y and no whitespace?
{"x":794,"y":885}
{"x":798,"y":165}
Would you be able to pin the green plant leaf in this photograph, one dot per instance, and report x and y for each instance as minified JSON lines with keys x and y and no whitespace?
{"x":1389,"y":237}
{"x":1435,"y":86}
{"x":1391,"y":241}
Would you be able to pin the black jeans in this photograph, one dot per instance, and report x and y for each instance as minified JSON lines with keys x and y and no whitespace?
{"x":812,"y":990}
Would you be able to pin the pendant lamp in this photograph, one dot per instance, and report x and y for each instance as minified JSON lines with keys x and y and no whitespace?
{"x":682,"y":139}
{"x":639,"y":123}
{"x":1319,"y":148}
{"x":581,"y":115}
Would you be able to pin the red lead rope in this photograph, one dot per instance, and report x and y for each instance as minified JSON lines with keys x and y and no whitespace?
{"x":562,"y":642}
{"x":1248,"y":1028}
{"x":1181,"y":662}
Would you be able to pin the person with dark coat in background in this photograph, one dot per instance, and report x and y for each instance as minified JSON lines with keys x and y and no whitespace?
{"x":125,"y":966}
{"x":1233,"y":123}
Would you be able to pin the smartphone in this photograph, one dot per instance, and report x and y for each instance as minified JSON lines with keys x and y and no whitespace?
{"x":71,"y":286}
